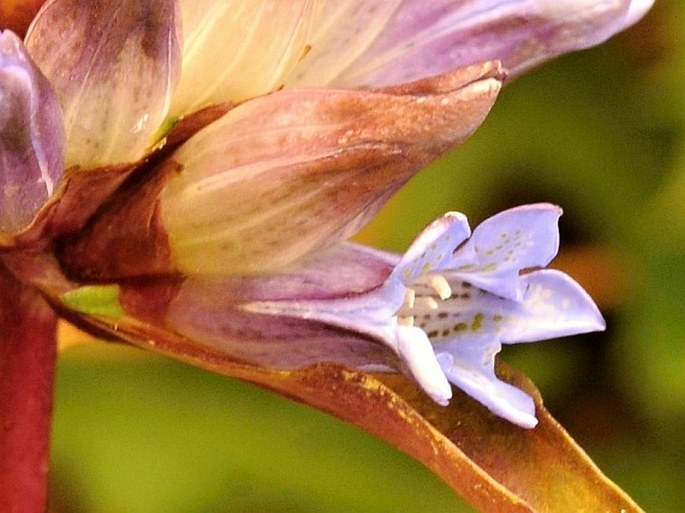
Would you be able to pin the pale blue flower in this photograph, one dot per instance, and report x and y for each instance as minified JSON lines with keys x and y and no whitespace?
{"x":454,"y":298}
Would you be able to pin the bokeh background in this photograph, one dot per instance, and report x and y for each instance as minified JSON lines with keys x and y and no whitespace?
{"x":601,"y":133}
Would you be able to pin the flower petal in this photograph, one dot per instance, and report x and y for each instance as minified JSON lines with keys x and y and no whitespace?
{"x":114,"y":64}
{"x":345,"y":31}
{"x":433,"y":248}
{"x":270,"y":320}
{"x":470,"y":365}
{"x":637,"y":9}
{"x":240,"y":49}
{"x":426,"y":38}
{"x":417,"y":354}
{"x":554,"y":305}
{"x":505,"y":244}
{"x":496,"y":466}
{"x":283,"y":175}
{"x":31,"y":136}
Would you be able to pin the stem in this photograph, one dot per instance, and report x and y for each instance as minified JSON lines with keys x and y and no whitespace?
{"x":27,"y":370}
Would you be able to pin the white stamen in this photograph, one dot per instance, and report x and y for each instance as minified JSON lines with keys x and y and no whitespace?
{"x":426,"y":303}
{"x":438,"y":283}
{"x":409,"y":297}
{"x":405,"y":320}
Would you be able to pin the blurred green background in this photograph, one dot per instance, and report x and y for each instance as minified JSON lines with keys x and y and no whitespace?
{"x":601,"y":133}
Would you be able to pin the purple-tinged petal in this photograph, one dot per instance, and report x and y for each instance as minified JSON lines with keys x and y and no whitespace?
{"x":234,"y":50}
{"x":637,"y":9}
{"x":554,"y":305}
{"x":203,"y":310}
{"x":114,"y":65}
{"x":346,"y":294}
{"x":433,"y":248}
{"x":340,"y":272}
{"x":265,"y":319}
{"x":31,"y":136}
{"x":505,"y":244}
{"x":426,"y":38}
{"x":470,"y":365}
{"x":283,"y":176}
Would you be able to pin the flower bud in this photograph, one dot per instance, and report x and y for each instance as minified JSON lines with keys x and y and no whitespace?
{"x":114,"y":65}
{"x":31,"y":136}
{"x":281,"y":176}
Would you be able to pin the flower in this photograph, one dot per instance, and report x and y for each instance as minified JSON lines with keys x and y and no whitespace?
{"x":455,"y":297}
{"x":189,"y":172}
{"x":304,"y":167}
{"x":31,"y":136}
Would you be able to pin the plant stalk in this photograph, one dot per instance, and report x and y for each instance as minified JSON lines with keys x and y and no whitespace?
{"x":27,"y":372}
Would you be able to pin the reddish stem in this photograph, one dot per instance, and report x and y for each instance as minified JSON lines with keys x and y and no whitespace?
{"x":27,"y":369}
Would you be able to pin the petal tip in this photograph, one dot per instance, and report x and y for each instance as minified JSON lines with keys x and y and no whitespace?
{"x":637,"y":10}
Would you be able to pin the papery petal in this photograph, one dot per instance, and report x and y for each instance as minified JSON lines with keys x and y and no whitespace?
{"x":470,"y":364}
{"x":345,"y":31}
{"x":505,"y":244}
{"x":31,"y":136}
{"x":240,"y":49}
{"x":114,"y":64}
{"x":269,"y":320}
{"x":308,"y":302}
{"x":285,"y":174}
{"x":433,"y":248}
{"x":426,"y":38}
{"x":339,"y":272}
{"x":554,"y":305}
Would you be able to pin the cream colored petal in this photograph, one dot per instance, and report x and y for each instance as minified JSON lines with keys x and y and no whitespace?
{"x":283,"y":175}
{"x":239,"y":49}
{"x":113,"y":64}
{"x":346,"y":30}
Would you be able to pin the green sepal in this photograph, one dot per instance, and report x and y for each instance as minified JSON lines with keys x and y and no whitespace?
{"x":95,"y":300}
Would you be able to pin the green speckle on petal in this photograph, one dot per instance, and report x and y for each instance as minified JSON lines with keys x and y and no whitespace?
{"x":477,"y":322}
{"x":95,"y":300}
